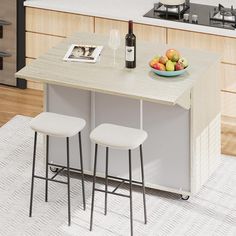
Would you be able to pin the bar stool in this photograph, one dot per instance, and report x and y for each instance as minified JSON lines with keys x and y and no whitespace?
{"x":61,"y":126}
{"x":124,"y":138}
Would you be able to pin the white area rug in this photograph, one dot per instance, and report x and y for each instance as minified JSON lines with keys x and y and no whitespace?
{"x":211,"y":212}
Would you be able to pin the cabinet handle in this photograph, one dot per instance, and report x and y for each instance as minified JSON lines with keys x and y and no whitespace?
{"x":2,"y":55}
{"x":3,"y":23}
{"x":5,"y":54}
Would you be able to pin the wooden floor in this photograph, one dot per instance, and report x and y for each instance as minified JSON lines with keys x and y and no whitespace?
{"x":14,"y":101}
{"x":29,"y":102}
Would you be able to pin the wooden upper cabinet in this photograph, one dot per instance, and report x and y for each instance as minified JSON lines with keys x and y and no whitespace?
{"x":142,"y":32}
{"x":224,"y":46}
{"x":57,"y":23}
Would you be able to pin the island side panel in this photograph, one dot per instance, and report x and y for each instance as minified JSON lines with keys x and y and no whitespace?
{"x":121,"y":111}
{"x":205,"y":126}
{"x":73,"y":102}
{"x":167,"y":149}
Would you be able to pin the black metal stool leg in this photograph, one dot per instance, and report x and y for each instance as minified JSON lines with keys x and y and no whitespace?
{"x":130,"y":189}
{"x":106,"y":180}
{"x":82,"y":170}
{"x":33,"y":170}
{"x":93,"y":191}
{"x":143,"y":184}
{"x":46,"y":185}
{"x":68,"y":179}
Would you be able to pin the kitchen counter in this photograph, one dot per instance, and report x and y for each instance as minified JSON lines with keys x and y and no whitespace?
{"x":183,"y":145}
{"x":122,"y":10}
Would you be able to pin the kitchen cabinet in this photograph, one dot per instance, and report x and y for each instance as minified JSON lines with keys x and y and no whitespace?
{"x":228,"y":104}
{"x":224,"y":46}
{"x":57,"y":23}
{"x":142,"y":32}
{"x":33,"y":84}
{"x":38,"y":44}
{"x":228,"y":77}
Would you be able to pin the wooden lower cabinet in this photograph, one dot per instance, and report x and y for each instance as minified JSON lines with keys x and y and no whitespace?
{"x":38,"y":44}
{"x":142,"y":32}
{"x":228,"y":104}
{"x":224,"y":46}
{"x":33,"y":84}
{"x":228,"y":77}
{"x":57,"y":23}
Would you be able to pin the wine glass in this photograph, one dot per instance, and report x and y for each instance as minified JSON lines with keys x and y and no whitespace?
{"x":114,"y":42}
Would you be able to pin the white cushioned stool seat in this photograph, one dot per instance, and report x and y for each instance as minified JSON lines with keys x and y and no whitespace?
{"x":57,"y":125}
{"x":116,"y":136}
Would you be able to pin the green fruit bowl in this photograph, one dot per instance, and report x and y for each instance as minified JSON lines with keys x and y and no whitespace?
{"x":169,"y":73}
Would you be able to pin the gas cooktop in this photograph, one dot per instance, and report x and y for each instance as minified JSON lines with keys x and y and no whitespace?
{"x":193,"y":13}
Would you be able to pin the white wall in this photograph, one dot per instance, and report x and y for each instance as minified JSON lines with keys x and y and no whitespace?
{"x":226,"y":3}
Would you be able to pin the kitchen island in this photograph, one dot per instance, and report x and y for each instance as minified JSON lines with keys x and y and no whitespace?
{"x":49,"y":21}
{"x":181,"y":115}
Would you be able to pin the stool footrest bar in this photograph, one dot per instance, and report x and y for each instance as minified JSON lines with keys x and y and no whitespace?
{"x":58,"y":172}
{"x":119,"y":185}
{"x":53,"y":180}
{"x":60,"y":166}
{"x":118,"y":194}
{"x":124,"y":179}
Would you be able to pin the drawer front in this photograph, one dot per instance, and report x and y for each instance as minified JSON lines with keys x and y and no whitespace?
{"x":224,"y":46}
{"x":30,"y":83}
{"x":228,"y":104}
{"x":228,"y":77}
{"x":38,"y":44}
{"x":57,"y":23}
{"x":150,"y":33}
{"x":103,"y":26}
{"x":142,"y":32}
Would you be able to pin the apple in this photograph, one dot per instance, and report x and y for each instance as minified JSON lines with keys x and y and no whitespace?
{"x":157,"y":57}
{"x":159,"y":66}
{"x":170,"y":66}
{"x":183,"y":61}
{"x":153,"y":62}
{"x":173,"y":55}
{"x":179,"y":66}
{"x":163,"y":60}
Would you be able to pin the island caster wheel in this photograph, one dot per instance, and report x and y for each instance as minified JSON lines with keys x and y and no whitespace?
{"x":184,"y":197}
{"x":53,"y":169}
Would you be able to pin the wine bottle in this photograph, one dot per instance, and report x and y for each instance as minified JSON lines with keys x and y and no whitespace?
{"x":130,"y":47}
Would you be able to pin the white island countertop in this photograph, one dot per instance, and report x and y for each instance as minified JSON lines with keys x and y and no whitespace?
{"x":104,"y":77}
{"x":122,"y":10}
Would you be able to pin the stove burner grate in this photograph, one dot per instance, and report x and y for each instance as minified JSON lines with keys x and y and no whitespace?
{"x":224,"y":15}
{"x":171,"y":10}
